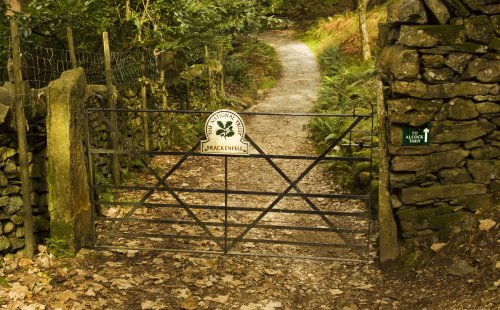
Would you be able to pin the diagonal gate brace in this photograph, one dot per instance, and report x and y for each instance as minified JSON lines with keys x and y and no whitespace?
{"x":162,"y":181}
{"x":305,"y":198}
{"x":294,"y":183}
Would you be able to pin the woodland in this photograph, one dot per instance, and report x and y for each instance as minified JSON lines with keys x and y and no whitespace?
{"x":254,"y":53}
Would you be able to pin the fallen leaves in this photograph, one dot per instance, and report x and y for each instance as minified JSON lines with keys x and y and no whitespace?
{"x":336,"y":291}
{"x":121,"y":283}
{"x":221,"y":299}
{"x":272,"y":305}
{"x":486,"y":225}
{"x":189,"y":304}
{"x":149,"y":304}
{"x":99,"y":278}
{"x":250,"y":306}
{"x":64,"y":297}
{"x":18,"y":292}
{"x":90,"y":292}
{"x":181,"y":293}
{"x":264,"y":305}
{"x":496,"y":283}
{"x":272,"y":272}
{"x":437,"y":247}
{"x":460,"y":268}
{"x":204,"y":283}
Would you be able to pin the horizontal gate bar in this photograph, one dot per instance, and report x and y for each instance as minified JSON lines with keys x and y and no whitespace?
{"x":235,"y":192}
{"x":198,"y":154}
{"x":264,"y":241}
{"x":300,"y":257}
{"x":240,"y":113}
{"x":232,"y":208}
{"x":230,"y":224}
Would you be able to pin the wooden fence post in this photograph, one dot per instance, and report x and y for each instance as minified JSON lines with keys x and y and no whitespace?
{"x":145,"y":118}
{"x":71,"y":45}
{"x":188,"y":99}
{"x":164,"y":94}
{"x":22,"y":141}
{"x":220,"y":55}
{"x":144,"y":106}
{"x":209,"y":76}
{"x":115,"y":162}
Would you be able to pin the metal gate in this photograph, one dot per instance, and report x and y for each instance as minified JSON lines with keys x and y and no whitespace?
{"x":263,"y":204}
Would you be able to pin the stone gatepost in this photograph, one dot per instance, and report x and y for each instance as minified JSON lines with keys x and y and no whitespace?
{"x":440,"y":65}
{"x":69,"y":198}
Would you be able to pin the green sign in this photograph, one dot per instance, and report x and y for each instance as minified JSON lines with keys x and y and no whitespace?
{"x":417,"y":135}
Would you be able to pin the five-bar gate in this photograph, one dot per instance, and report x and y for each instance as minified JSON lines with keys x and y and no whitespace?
{"x":268,"y":203}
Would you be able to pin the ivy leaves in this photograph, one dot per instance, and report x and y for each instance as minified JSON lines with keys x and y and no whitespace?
{"x":226,"y":130}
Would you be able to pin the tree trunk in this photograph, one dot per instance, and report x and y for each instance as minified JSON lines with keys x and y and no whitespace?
{"x":13,"y":6}
{"x":363,"y":29}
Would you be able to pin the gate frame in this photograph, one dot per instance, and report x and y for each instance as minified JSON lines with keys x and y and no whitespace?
{"x":225,"y":247}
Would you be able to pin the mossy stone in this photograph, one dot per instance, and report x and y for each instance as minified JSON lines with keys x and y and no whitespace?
{"x":436,"y":218}
{"x":459,"y":131}
{"x":415,"y":194}
{"x":431,"y":35}
{"x":460,"y":109}
{"x":479,"y":29}
{"x":16,"y":243}
{"x":457,"y":8}
{"x":4,"y":243}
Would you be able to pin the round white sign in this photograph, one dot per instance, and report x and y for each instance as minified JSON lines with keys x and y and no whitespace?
{"x":225,"y":132}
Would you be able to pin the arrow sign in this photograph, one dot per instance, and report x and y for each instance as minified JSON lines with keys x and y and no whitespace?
{"x":415,"y":136}
{"x":426,"y":134}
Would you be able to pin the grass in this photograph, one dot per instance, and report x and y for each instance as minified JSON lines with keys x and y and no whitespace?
{"x":342,"y":30}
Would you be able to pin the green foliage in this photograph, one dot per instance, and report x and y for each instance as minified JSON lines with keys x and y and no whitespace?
{"x":185,"y":129}
{"x":347,"y":88}
{"x":342,"y":31}
{"x":236,"y":71}
{"x":59,"y":248}
{"x":162,"y":24}
{"x":304,"y":9}
{"x":252,"y":66}
{"x":45,"y":21}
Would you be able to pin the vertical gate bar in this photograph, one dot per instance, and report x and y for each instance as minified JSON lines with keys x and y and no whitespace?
{"x":370,"y":188}
{"x":225,"y":202}
{"x":91,"y":176}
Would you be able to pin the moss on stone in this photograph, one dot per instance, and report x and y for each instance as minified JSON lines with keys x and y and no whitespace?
{"x":63,"y":231}
{"x":437,"y":218}
{"x":431,"y":35}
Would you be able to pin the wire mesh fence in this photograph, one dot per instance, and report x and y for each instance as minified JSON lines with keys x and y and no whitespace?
{"x":42,"y":65}
{"x":5,"y":55}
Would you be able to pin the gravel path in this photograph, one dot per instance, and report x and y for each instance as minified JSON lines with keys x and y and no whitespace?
{"x":298,"y":88}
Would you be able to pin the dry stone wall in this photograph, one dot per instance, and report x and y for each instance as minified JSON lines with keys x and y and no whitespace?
{"x":11,"y":203}
{"x":440,"y":65}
